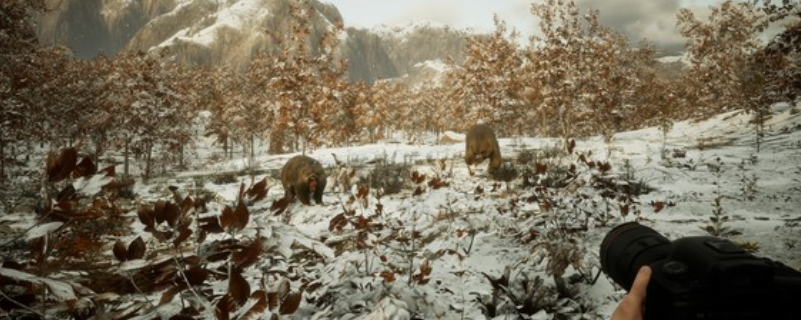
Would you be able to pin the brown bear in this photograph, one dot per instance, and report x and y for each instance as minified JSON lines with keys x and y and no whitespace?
{"x":481,"y":144}
{"x":304,"y":177}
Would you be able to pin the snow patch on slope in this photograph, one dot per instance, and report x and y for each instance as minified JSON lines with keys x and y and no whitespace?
{"x":406,"y":29}
{"x":240,"y":15}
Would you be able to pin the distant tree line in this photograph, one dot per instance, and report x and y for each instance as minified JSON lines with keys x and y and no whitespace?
{"x":579,"y":78}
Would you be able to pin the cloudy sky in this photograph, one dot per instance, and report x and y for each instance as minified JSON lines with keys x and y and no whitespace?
{"x":651,"y":19}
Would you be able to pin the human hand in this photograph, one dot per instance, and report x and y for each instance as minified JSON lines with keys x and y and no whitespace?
{"x":630,"y":308}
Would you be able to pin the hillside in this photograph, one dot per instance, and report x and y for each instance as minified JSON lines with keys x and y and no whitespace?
{"x":432,"y":249}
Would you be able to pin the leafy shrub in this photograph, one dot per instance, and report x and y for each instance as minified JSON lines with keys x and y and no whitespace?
{"x":390,"y":177}
{"x":526,"y":157}
{"x":555,"y":176}
{"x":636,"y":188}
{"x":127,"y":190}
{"x":506,"y":172}
{"x":718,"y":222}
{"x":526,"y":295}
{"x":224,"y":178}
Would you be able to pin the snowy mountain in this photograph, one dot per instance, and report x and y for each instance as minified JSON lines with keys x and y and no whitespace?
{"x":232,"y":32}
{"x":416,"y":42}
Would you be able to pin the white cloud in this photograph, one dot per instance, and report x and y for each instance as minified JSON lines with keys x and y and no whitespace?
{"x":654,"y":20}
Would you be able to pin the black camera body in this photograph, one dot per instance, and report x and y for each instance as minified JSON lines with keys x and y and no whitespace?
{"x":701,"y":277}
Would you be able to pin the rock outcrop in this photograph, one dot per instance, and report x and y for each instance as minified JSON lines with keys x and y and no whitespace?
{"x":216,"y":32}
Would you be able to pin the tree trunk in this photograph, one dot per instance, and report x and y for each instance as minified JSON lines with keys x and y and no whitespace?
{"x":225,"y":146}
{"x":125,"y":154}
{"x":98,"y":139}
{"x":3,"y":158}
{"x":252,"y":148}
{"x":181,"y":156}
{"x":297,"y":142}
{"x":148,"y":160}
{"x":370,"y":135}
{"x":760,"y":128}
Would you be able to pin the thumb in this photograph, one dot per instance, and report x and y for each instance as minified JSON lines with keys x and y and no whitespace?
{"x":639,"y":288}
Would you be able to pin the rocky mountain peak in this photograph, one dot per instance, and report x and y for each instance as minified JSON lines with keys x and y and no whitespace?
{"x":216,"y":32}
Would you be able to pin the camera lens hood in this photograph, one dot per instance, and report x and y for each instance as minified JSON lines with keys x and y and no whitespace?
{"x":629,"y":246}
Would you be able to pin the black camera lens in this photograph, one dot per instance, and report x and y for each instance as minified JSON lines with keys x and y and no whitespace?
{"x":628,"y":247}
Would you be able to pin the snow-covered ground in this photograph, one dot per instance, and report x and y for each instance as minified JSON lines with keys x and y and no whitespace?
{"x":760,"y":192}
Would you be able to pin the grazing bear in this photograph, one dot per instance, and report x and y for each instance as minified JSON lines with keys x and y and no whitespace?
{"x":304,"y":177}
{"x":481,"y":144}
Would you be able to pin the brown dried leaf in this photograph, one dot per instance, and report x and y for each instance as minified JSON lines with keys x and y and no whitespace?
{"x":425,"y":267}
{"x":418,"y":178}
{"x":362,"y":223}
{"x":170,"y":293}
{"x":437,"y":183}
{"x":200,"y":205}
{"x":227,"y":218}
{"x":196,"y":275}
{"x":238,"y":289}
{"x":223,"y":310}
{"x":136,"y":250}
{"x":248,"y":256}
{"x":64,"y":209}
{"x":60,"y":166}
{"x":187,"y":205}
{"x":258,"y":191}
{"x":658,"y":206}
{"x":52,"y":166}
{"x":280,"y":205}
{"x":338,"y":222}
{"x":541,"y":168}
{"x":291,"y":303}
{"x":109,"y":171}
{"x":418,"y":191}
{"x":183,"y":234}
{"x":145,"y":214}
{"x":119,"y":184}
{"x":283,"y":289}
{"x":258,"y":309}
{"x":242,"y":216}
{"x":85,"y":168}
{"x":158,"y":212}
{"x":171,"y":213}
{"x":363,"y":192}
{"x":37,"y":248}
{"x":273,"y":300}
{"x":120,"y":251}
{"x":388,"y":276}
{"x":211,"y":224}
{"x":162,"y":236}
{"x":571,"y":145}
{"x":66,"y":194}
